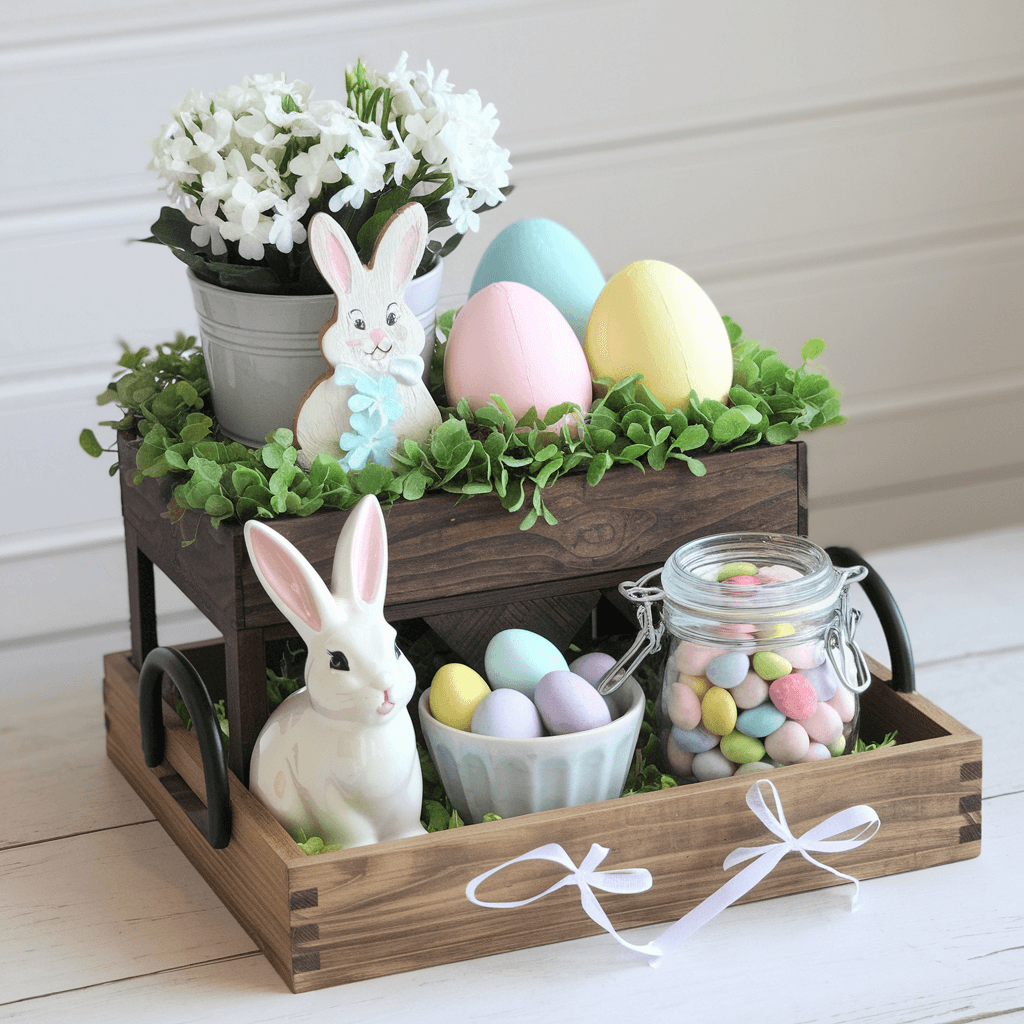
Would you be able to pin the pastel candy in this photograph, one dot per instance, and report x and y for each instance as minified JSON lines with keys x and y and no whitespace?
{"x":760,"y":721}
{"x":754,"y":767}
{"x":769,"y":665}
{"x":679,"y":761}
{"x":838,"y":748}
{"x":805,"y":656}
{"x":718,"y":711}
{"x":824,"y":680}
{"x":741,"y":749}
{"x":816,"y":752}
{"x":728,"y":670}
{"x":568,"y":703}
{"x":731,"y":569}
{"x":774,"y":632}
{"x":683,"y":706}
{"x":843,"y":703}
{"x":788,"y":743}
{"x":824,"y":726}
{"x":751,"y":692}
{"x":712,"y":764}
{"x":698,"y":684}
{"x":794,"y":696}
{"x":744,"y":581}
{"x":778,"y":574}
{"x":742,"y":630}
{"x":694,"y":741}
{"x":692,"y":659}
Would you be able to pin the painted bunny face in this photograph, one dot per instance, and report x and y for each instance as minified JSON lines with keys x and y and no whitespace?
{"x":373,"y":324}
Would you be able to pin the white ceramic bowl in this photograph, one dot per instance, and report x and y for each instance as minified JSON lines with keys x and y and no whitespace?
{"x":490,"y":774}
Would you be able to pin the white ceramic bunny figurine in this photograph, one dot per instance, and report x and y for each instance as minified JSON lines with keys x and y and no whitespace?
{"x":338,"y":758}
{"x":374,"y":394}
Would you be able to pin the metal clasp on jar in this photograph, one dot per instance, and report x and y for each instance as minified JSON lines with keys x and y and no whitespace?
{"x":648,"y":640}
{"x":839,"y":636}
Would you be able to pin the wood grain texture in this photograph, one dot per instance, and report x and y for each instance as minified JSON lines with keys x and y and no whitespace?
{"x":375,"y":908}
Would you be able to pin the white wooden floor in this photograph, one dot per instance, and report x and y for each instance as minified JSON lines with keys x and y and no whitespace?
{"x":102,"y":918}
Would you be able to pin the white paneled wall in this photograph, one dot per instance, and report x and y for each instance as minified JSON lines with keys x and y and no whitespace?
{"x":823,"y":168}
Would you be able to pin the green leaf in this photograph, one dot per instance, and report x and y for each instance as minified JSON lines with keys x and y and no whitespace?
{"x":812,"y":384}
{"x":729,"y":426}
{"x":812,"y":349}
{"x":87,"y":439}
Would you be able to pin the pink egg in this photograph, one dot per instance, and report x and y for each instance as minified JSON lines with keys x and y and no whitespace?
{"x":692,"y":659}
{"x":683,"y":706}
{"x":816,"y":752}
{"x":843,"y":703}
{"x":788,"y":743}
{"x":824,"y":726}
{"x":794,"y":695}
{"x":680,"y":761}
{"x":778,"y":574}
{"x":743,"y":581}
{"x":751,"y":693}
{"x":804,"y":656}
{"x":510,"y":340}
{"x":592,"y":666}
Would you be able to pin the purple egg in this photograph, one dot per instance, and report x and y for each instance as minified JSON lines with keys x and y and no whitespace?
{"x":507,"y":713}
{"x":568,"y":703}
{"x":593,"y":666}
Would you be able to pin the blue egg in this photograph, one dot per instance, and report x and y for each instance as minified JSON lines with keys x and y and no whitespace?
{"x":760,"y":721}
{"x":548,"y":258}
{"x":694,"y":741}
{"x":518,"y":658}
{"x":728,"y":670}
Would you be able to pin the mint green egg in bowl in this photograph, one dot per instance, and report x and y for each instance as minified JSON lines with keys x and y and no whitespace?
{"x":508,"y":777}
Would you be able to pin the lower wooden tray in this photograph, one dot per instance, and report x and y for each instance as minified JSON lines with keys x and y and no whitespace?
{"x":399,"y":906}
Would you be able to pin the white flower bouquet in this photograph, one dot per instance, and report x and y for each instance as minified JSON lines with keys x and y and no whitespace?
{"x":248,"y":167}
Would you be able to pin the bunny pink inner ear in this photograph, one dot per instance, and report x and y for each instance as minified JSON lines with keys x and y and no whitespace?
{"x":369,"y":555}
{"x":284,"y":578}
{"x":406,"y":256}
{"x":340,"y":265}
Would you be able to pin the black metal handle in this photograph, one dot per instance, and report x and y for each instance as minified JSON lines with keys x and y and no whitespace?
{"x":897,"y":638}
{"x":213,"y":820}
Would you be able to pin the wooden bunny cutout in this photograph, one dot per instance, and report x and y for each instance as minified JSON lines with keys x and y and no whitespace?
{"x":338,"y":758}
{"x":373,"y":395}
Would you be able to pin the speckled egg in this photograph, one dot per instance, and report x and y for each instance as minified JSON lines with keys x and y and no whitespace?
{"x":654,"y":319}
{"x":455,"y":691}
{"x":794,"y":696}
{"x":517,"y":658}
{"x":568,"y":703}
{"x":510,"y":340}
{"x":548,"y":258}
{"x":507,"y":713}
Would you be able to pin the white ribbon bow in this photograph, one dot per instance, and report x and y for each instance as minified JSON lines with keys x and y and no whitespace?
{"x":631,"y":880}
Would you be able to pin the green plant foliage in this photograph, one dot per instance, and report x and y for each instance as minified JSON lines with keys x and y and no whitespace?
{"x":860,"y":747}
{"x":645,"y":774}
{"x":164,"y":397}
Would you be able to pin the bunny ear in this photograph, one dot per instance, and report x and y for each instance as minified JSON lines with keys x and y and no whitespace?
{"x":361,"y":558}
{"x":292,"y":583}
{"x":333,"y":253}
{"x":400,"y":245}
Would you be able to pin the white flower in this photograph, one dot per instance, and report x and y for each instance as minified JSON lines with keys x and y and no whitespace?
{"x":315,"y":168}
{"x":405,"y":163}
{"x":208,"y":225}
{"x":215,"y":132}
{"x":246,"y":224}
{"x":272,"y":176}
{"x":287,"y":229}
{"x":363,"y":165}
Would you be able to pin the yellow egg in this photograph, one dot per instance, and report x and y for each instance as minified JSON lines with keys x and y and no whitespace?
{"x":454,"y":694}
{"x":653,"y":319}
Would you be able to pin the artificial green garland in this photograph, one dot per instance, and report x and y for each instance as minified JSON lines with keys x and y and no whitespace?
{"x":164,"y":398}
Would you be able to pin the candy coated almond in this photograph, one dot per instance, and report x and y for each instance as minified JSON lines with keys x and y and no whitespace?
{"x":741,"y":749}
{"x":698,"y":684}
{"x":718,"y":711}
{"x":752,"y":692}
{"x":712,"y":764}
{"x":788,"y":743}
{"x":816,"y":752}
{"x":769,"y":665}
{"x":731,"y":569}
{"x":824,"y":726}
{"x":683,"y":706}
{"x":778,"y":574}
{"x":794,"y":696}
{"x":680,"y":761}
{"x":744,"y":581}
{"x":843,"y":703}
{"x":728,"y":670}
{"x":692,"y":659}
{"x":693,"y":741}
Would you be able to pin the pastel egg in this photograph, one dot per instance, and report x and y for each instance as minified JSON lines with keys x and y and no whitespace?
{"x":774,"y":632}
{"x":680,"y":762}
{"x":743,"y":581}
{"x":692,"y":659}
{"x":760,"y":721}
{"x":683,"y":706}
{"x":592,"y":666}
{"x":741,"y":749}
{"x":751,"y":692}
{"x":816,"y":752}
{"x":824,"y":726}
{"x":843,"y":703}
{"x":728,"y":670}
{"x":769,"y":665}
{"x":718,"y":711}
{"x":804,"y":655}
{"x":510,"y":340}
{"x":455,"y":691}
{"x":788,"y":743}
{"x":568,"y":703}
{"x":794,"y":696}
{"x":698,"y":684}
{"x":838,"y":748}
{"x":712,"y":764}
{"x":517,"y":658}
{"x":693,"y":741}
{"x":652,"y":318}
{"x":754,"y":767}
{"x":824,"y":680}
{"x":736,"y":569}
{"x":507,"y":713}
{"x":548,"y":258}
{"x":778,"y":573}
